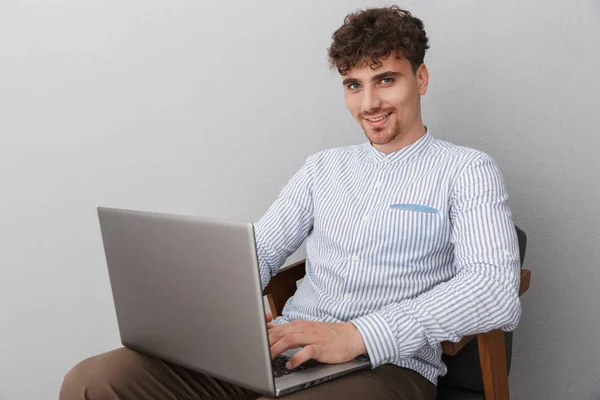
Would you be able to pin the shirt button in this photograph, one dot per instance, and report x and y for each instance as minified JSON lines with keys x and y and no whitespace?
{"x":365,"y":218}
{"x":355,"y":258}
{"x":377,"y":184}
{"x":347,"y":296}
{"x":507,"y":253}
{"x":386,"y":158}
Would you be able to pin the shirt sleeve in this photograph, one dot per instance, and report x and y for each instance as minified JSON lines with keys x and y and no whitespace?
{"x":484,"y":293}
{"x":286,"y":224}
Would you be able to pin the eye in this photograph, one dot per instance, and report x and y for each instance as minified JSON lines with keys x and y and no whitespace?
{"x":387,"y":81}
{"x":352,"y":86}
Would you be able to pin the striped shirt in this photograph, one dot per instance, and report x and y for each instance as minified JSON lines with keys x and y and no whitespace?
{"x":414,"y":248}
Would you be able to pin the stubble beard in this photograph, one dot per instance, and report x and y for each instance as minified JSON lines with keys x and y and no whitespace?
{"x":379,"y":139}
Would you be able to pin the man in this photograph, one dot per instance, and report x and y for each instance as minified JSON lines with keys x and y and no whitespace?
{"x":410,"y":243}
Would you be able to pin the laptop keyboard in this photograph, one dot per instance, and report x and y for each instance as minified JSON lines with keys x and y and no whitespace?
{"x":280,"y":370}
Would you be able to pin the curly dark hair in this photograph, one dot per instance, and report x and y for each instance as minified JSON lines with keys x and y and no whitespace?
{"x":374,"y":33}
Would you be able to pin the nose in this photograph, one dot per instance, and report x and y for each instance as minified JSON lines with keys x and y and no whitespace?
{"x":370,"y":101}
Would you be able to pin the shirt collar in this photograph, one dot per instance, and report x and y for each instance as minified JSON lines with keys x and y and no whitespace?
{"x":402,"y":154}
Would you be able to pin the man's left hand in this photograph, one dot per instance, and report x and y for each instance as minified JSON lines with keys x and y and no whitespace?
{"x":329,"y":343}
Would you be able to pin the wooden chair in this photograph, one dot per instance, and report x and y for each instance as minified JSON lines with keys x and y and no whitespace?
{"x":489,"y":348}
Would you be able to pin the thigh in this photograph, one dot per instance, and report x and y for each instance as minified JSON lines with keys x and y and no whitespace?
{"x":126,"y":374}
{"x":384,"y":382}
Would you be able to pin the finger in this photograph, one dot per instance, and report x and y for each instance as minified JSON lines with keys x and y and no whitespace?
{"x":279,"y":331}
{"x":291,"y":341}
{"x":290,"y":327}
{"x":307,"y":353}
{"x":269,"y":317}
{"x":270,"y":328}
{"x":274,"y":335}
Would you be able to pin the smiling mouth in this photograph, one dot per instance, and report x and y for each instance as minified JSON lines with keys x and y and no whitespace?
{"x":378,"y":121}
{"x":380,"y":118}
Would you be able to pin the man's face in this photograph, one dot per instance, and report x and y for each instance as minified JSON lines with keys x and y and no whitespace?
{"x":386,"y":101}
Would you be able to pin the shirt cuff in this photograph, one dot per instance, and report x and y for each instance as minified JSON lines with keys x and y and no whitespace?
{"x":378,"y":337}
{"x":410,"y":335}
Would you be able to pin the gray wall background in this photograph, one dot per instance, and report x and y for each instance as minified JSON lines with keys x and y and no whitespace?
{"x":208,"y":108}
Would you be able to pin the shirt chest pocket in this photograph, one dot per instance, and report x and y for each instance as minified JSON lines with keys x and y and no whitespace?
{"x":412,"y":225}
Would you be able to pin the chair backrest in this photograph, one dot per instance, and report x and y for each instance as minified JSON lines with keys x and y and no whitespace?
{"x":464,"y":368}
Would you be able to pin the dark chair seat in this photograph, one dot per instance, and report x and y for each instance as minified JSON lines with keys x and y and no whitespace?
{"x":455,"y":393}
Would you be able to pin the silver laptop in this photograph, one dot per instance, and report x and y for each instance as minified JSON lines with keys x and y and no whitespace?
{"x":187,"y":290}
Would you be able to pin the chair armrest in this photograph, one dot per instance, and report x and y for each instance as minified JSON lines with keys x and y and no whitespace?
{"x":492,"y":355}
{"x":283,"y":286}
{"x":525,"y":281}
{"x":492,"y":358}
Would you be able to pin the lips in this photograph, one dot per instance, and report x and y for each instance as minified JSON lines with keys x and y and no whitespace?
{"x":378,"y":120}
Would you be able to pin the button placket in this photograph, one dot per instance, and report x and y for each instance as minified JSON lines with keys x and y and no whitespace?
{"x":361,"y":231}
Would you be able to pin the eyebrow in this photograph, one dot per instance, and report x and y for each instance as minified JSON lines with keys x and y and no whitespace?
{"x":378,"y":77}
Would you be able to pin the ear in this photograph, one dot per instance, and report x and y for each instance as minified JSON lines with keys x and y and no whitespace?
{"x":422,"y":79}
